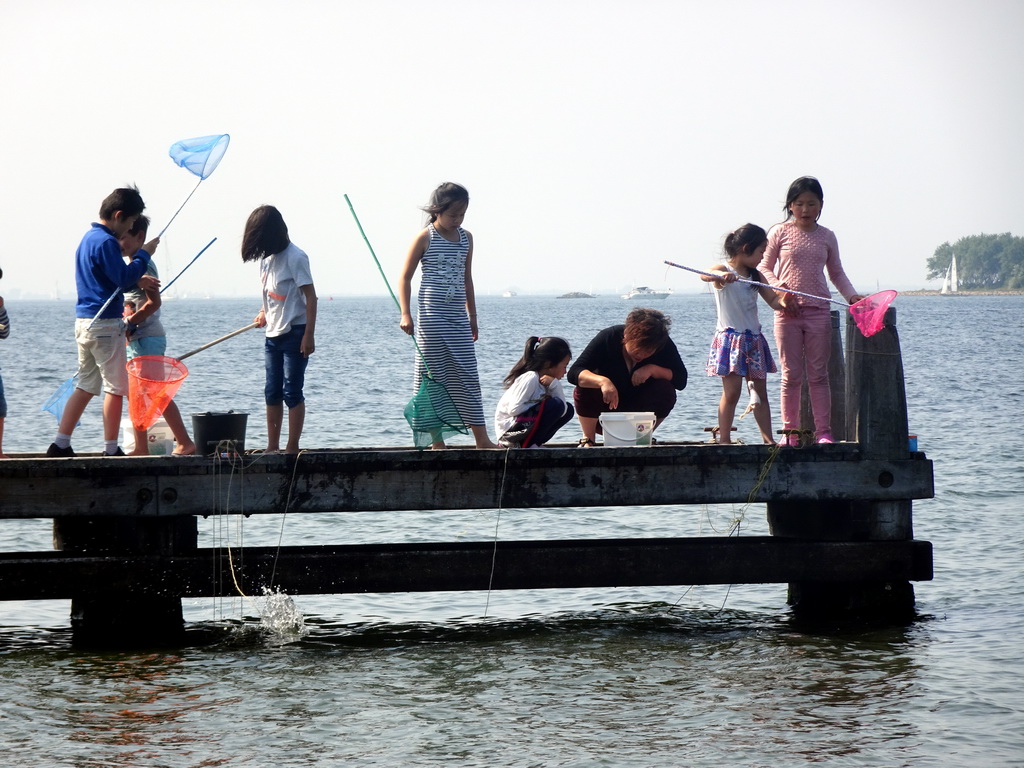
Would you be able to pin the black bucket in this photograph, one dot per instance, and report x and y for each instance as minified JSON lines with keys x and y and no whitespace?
{"x":210,"y":430}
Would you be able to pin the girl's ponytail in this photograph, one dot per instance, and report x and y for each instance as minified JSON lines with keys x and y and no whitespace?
{"x":746,"y":239}
{"x":540,"y":352}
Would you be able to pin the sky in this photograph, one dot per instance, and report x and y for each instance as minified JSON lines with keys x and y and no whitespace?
{"x":597,"y":138}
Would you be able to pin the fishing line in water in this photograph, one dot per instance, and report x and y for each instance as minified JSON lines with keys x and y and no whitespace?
{"x":740,"y":517}
{"x":284,"y":516}
{"x":225,"y":454}
{"x":276,"y":610}
{"x":224,"y":519}
{"x":773,"y":452}
{"x":497,"y":520}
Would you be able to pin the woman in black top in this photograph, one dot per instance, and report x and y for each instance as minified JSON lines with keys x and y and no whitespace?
{"x":631,"y":367}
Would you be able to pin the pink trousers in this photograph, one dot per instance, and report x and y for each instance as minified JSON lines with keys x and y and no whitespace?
{"x":805,"y":344}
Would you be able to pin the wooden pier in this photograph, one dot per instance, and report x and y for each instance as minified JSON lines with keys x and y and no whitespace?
{"x":125,"y":530}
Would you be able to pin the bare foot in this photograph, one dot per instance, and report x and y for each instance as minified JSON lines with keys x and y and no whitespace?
{"x":185,"y":449}
{"x":137,"y":452}
{"x":488,"y":444}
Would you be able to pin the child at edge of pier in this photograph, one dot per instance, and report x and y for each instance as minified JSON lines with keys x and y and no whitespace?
{"x":798,"y":253}
{"x":5,"y":331}
{"x":533,"y":407}
{"x":289,"y":316}
{"x":739,"y":350}
{"x":101,"y":274}
{"x":146,"y":336}
{"x":446,"y":326}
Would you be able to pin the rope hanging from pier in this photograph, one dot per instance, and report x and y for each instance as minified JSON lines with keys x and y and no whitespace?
{"x":276,"y":609}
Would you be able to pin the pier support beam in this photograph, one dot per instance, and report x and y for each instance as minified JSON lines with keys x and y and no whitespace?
{"x":876,"y":416}
{"x":104,"y":616}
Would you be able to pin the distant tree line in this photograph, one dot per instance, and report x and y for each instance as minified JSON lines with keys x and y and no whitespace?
{"x":983,"y":262}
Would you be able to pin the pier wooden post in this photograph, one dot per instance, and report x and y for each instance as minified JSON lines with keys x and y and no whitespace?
{"x":143,"y":615}
{"x":877,"y":418}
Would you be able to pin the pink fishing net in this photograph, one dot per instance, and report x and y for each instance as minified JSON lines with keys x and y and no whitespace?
{"x":869,"y":312}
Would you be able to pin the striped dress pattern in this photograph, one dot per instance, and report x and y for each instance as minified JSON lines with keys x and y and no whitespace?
{"x":443,"y":332}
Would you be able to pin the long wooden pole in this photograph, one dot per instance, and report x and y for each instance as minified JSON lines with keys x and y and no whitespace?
{"x":218,"y":341}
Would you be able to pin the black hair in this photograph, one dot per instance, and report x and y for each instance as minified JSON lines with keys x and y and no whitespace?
{"x":647,"y":328}
{"x":797,"y":188}
{"x":444,"y":197}
{"x":746,"y":239}
{"x":140,"y":227}
{"x":265,"y":234}
{"x":125,"y":199}
{"x":541,"y":352}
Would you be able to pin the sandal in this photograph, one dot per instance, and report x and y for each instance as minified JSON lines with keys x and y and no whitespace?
{"x":586,"y":442}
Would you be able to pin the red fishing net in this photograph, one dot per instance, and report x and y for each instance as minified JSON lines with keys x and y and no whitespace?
{"x":152,"y":382}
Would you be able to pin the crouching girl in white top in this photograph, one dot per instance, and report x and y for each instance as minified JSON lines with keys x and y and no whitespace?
{"x":533,"y":407}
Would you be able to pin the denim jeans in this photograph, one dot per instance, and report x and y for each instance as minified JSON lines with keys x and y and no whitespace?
{"x":286,"y":367}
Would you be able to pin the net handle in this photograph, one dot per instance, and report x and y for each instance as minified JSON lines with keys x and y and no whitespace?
{"x":119,"y":290}
{"x":181,"y":206}
{"x":384,"y":277}
{"x":766,"y":285}
{"x":218,"y":341}
{"x":859,"y":316}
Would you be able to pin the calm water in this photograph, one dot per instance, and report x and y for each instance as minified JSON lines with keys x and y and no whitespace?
{"x":673,"y":676}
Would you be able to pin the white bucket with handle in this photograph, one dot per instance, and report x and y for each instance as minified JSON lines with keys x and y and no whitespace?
{"x":160,"y":437}
{"x":627,"y":428}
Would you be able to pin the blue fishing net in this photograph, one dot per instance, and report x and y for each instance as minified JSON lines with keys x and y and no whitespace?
{"x":59,"y":399}
{"x":200,"y":155}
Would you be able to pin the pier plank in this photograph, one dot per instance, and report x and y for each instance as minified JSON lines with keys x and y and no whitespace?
{"x":447,"y":566}
{"x":380,"y":480}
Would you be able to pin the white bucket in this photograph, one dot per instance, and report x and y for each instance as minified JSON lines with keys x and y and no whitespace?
{"x":627,"y":428}
{"x":159,"y":437}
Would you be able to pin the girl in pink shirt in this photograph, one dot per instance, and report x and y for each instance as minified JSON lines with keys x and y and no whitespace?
{"x":798,"y":254}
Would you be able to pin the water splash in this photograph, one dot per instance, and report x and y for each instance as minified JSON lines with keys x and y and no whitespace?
{"x":280,"y":618}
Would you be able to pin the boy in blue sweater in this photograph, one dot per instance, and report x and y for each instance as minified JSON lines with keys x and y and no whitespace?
{"x":101,"y":274}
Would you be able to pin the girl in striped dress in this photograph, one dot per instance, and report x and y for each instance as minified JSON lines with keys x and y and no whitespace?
{"x":739,"y":350}
{"x":446,"y":325}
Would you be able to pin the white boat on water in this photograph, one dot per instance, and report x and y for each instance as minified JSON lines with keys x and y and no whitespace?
{"x":950,"y":284}
{"x":509,"y":294}
{"x":643,"y":292}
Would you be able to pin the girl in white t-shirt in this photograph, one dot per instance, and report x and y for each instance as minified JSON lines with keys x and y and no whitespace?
{"x":533,"y":407}
{"x":289,"y":316}
{"x":739,"y":350}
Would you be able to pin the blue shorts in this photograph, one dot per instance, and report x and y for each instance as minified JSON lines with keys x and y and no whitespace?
{"x":286,"y":367}
{"x":147,"y":345}
{"x":3,"y":401}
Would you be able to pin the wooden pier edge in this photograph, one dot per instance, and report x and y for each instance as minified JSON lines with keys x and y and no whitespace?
{"x":840,"y":518}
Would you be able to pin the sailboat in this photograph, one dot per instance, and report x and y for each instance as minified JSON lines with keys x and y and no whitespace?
{"x":951,"y":283}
